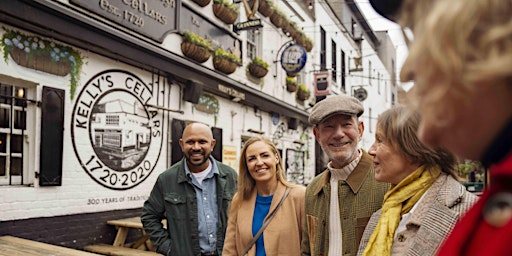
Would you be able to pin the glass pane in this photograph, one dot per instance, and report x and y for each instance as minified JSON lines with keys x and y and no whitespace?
{"x":16,"y":143}
{"x":2,"y":165}
{"x":3,"y":142}
{"x":20,"y":93}
{"x":6,"y":91}
{"x":4,"y":118}
{"x":16,"y":166}
{"x":20,"y":119}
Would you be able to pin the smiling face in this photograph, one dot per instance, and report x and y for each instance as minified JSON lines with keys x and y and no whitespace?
{"x":339,"y":136}
{"x":261,"y":162}
{"x":390,"y":164}
{"x":197,"y":144}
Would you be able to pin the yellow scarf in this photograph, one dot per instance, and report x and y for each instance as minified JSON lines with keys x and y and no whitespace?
{"x":397,"y":202}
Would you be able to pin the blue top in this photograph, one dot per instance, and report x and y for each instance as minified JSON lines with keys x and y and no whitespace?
{"x":261,"y":210}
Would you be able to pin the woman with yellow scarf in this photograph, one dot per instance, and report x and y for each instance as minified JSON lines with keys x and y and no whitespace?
{"x":425,"y":200}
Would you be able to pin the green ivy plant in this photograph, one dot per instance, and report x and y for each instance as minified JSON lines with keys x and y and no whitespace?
{"x":197,"y":40}
{"x":221,"y":53}
{"x":260,"y":62}
{"x":36,"y":46}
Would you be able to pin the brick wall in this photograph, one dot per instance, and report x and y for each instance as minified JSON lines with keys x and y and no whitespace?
{"x":73,"y":231}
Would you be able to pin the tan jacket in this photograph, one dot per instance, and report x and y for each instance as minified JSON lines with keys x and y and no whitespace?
{"x":427,"y":227}
{"x":283,"y":234}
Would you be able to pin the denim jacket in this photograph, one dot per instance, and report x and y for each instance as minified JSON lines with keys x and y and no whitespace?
{"x":174,"y":199}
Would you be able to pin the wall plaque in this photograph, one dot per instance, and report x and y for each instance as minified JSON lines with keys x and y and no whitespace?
{"x":151,"y":18}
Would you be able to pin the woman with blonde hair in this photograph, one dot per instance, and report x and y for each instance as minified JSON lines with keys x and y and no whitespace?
{"x":426,"y":198}
{"x":264,"y":199}
{"x":461,"y":63}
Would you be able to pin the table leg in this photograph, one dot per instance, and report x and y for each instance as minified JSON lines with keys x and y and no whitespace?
{"x":122,"y":232}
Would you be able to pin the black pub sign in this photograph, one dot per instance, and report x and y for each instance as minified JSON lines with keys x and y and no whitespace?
{"x":151,"y":18}
{"x":248,"y":25}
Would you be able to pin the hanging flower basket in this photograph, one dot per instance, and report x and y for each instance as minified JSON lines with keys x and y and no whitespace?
{"x":265,"y":8}
{"x":195,"y":47}
{"x":276,"y":18}
{"x":202,"y":3}
{"x":291,"y":84}
{"x":43,"y":55}
{"x":258,"y":67}
{"x":303,"y":92}
{"x":224,"y":65}
{"x":225,"y":62}
{"x":308,"y":44}
{"x":225,"y":12}
{"x":257,"y":70}
{"x":195,"y":52}
{"x":40,"y":62}
{"x":300,"y":39}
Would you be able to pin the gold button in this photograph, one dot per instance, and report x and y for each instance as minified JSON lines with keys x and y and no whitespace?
{"x":498,"y":209}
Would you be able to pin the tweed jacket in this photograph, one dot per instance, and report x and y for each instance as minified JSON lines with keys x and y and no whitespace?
{"x":431,"y":222}
{"x":174,"y":198}
{"x":283,"y":234}
{"x":359,"y":197}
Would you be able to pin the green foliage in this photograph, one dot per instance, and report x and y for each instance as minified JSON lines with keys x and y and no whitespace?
{"x":228,"y":4}
{"x":196,"y":39}
{"x":36,"y":46}
{"x":260,"y":62}
{"x":290,"y":80}
{"x":221,"y":53}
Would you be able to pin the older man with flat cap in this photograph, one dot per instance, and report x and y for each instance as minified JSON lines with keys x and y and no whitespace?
{"x":340,"y":200}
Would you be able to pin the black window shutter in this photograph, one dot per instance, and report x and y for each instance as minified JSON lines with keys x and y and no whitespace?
{"x":217,"y":150}
{"x":52,"y":130}
{"x":176,"y":131}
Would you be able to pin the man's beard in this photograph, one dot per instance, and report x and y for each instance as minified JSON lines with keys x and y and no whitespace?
{"x":205,"y":158}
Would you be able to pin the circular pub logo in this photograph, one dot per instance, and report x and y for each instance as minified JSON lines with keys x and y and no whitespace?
{"x":116,"y":137}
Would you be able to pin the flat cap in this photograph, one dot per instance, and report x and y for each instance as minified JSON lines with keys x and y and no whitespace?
{"x":335,"y":104}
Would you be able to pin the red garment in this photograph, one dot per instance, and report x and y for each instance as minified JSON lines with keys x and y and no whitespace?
{"x":473,"y":235}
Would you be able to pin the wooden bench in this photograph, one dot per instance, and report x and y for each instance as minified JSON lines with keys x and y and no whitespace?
{"x":107,"y":249}
{"x":14,"y":246}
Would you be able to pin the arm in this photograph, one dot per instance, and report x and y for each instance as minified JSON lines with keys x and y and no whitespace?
{"x":152,"y":215}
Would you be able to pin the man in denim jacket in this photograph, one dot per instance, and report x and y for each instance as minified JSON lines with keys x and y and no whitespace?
{"x":194,"y":196}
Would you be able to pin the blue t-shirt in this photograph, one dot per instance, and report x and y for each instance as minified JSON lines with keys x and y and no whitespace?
{"x":260,"y":212}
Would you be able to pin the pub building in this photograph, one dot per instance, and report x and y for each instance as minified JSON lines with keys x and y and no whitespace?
{"x":95,"y":95}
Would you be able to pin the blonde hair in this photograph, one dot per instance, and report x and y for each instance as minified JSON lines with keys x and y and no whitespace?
{"x":458,"y":44}
{"x":462,"y":43}
{"x":246,"y":183}
{"x":399,"y":126}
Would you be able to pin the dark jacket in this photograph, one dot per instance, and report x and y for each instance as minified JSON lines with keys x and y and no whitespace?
{"x":174,"y":199}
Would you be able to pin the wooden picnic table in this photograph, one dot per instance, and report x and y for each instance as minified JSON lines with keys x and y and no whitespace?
{"x":123,"y":226}
{"x":142,"y":246}
{"x":14,"y":246}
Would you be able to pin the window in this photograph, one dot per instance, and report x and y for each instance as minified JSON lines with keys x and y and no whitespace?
{"x":343,"y":72}
{"x":323,"y":58}
{"x":14,"y":136}
{"x":334,"y":67}
{"x":252,"y":43}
